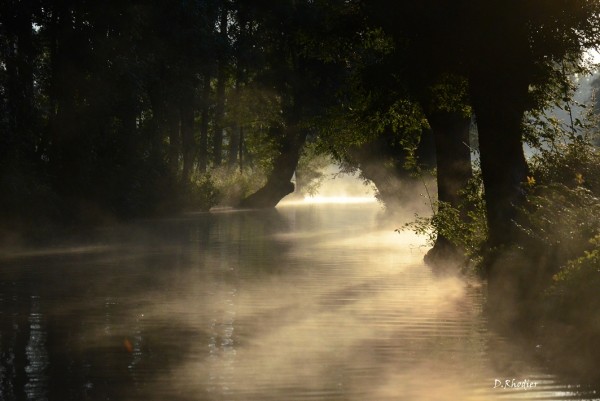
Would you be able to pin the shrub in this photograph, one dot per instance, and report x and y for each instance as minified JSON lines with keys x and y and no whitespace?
{"x":574,"y":164}
{"x":464,"y":226}
{"x":233,"y":186}
{"x":573,"y":298}
{"x":563,"y":208}
{"x":204,"y":193}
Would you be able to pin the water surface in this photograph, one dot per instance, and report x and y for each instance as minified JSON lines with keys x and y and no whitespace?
{"x":306,"y":302}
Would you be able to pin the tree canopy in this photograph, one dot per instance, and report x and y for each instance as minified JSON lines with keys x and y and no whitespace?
{"x":129,"y":108}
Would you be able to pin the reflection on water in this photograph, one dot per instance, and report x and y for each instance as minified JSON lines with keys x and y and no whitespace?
{"x":309,"y":302}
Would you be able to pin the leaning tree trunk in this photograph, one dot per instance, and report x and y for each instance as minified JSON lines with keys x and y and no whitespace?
{"x":279,"y":182}
{"x":453,"y":157}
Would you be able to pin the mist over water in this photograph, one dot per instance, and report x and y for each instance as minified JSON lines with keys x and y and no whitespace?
{"x":306,"y":302}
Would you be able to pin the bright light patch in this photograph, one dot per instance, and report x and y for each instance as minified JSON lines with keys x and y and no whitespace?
{"x":330,"y":199}
{"x":594,"y":55}
{"x":340,"y":199}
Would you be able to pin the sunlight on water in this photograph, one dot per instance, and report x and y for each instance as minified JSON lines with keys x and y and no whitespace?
{"x":329,"y":199}
{"x":314,"y":302}
{"x":336,"y":188}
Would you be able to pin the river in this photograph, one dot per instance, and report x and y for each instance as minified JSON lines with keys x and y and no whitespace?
{"x":305,"y":302}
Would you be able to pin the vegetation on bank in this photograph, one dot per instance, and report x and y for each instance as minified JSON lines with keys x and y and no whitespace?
{"x":549,"y":275}
{"x":139,"y":108}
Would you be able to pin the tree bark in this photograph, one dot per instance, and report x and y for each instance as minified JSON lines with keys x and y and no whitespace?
{"x":499,"y":91}
{"x":499,"y":112}
{"x":279,"y":182}
{"x":453,"y":157}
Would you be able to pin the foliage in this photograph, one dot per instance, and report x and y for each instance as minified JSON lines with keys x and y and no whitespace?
{"x":543,"y":129}
{"x":373,"y":104}
{"x":573,"y":164}
{"x":562,"y":233}
{"x":585,"y":269}
{"x":561,"y":214}
{"x":560,"y":220}
{"x":563,"y":206}
{"x":573,"y":297}
{"x":310,"y":171}
{"x":204,"y":193}
{"x":261,"y":147}
{"x":125,"y":105}
{"x":450,"y":95}
{"x":469,"y":233}
{"x":253,"y":107}
{"x":232,"y":186}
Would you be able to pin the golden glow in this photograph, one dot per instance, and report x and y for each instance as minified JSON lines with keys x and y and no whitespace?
{"x":330,"y":199}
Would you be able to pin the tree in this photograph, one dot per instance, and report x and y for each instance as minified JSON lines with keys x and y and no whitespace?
{"x":423,"y":66}
{"x":100,"y":105}
{"x":511,"y":54}
{"x":304,"y":72}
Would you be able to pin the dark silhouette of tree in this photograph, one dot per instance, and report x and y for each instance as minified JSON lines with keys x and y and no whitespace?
{"x":421,"y":66}
{"x":121,"y":107}
{"x":511,"y":54}
{"x":540,"y":37}
{"x":305,"y":72}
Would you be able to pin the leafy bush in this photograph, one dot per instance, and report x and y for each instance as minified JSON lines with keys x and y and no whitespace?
{"x":204,"y":193}
{"x":561,"y":220}
{"x":464,"y":226}
{"x":233,"y":186}
{"x":563,"y":206}
{"x":561,"y":214}
{"x":573,"y":164}
{"x":573,"y":299}
{"x":310,"y":170}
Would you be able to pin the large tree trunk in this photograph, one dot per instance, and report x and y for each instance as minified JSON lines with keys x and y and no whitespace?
{"x":499,"y":113}
{"x":279,"y":182}
{"x":451,"y":136}
{"x":504,"y":169}
{"x":499,"y":89}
